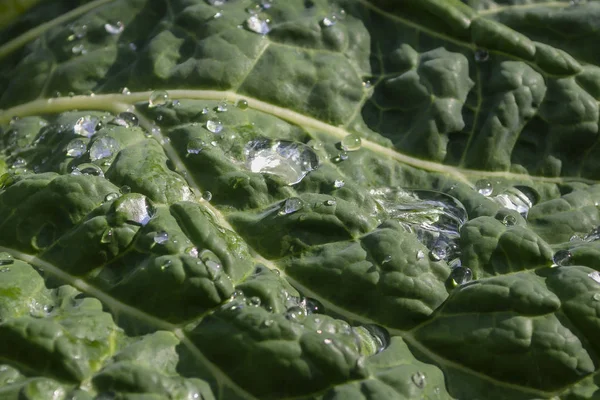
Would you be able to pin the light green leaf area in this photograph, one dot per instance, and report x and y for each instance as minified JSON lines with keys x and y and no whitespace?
{"x":300,"y":199}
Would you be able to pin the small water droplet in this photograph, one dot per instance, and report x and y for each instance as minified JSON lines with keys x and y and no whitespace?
{"x":595,"y":276}
{"x":222,"y":106}
{"x":111,"y":196}
{"x":461,"y":275}
{"x":596,"y":296}
{"x":439,"y":252}
{"x":562,"y":258}
{"x":126,"y":119}
{"x":386,"y":259}
{"x":135,"y":209}
{"x":86,"y":126}
{"x":327,"y":341}
{"x":330,"y":202}
{"x":380,"y":336}
{"x":268,"y":322}
{"x":87,"y":169}
{"x":103,"y":147}
{"x":481,"y":55}
{"x":291,"y":205}
{"x":351,"y":143}
{"x":258,"y":25}
{"x":418,"y":378}
{"x":79,"y":32}
{"x":19,"y":162}
{"x":216,"y":2}
{"x":420,"y":255}
{"x":254,"y":301}
{"x":161,"y":237}
{"x":509,"y":220}
{"x":158,"y":98}
{"x":214,"y":125}
{"x":328,"y":21}
{"x":338,"y":184}
{"x":76,"y":148}
{"x":242,"y":104}
{"x":207,"y":196}
{"x":79,"y":49}
{"x":195,"y":146}
{"x":125,"y":189}
{"x":114,"y":29}
{"x":484,"y":187}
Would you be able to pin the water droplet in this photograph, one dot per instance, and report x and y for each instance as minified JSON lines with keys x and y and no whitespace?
{"x":126,"y":91}
{"x":158,"y":98}
{"x":257,"y":25}
{"x":509,"y":220}
{"x":125,"y":189}
{"x":595,"y":276}
{"x":107,"y":236}
{"x":367,"y":84}
{"x":213,"y":265}
{"x":296,"y":313}
{"x":420,"y":255}
{"x":596,"y":296}
{"x":386,"y":259}
{"x":126,"y":119}
{"x":461,"y":275}
{"x":19,"y":162}
{"x":338,"y":184}
{"x":330,"y":202}
{"x":6,"y":261}
{"x":207,"y":196}
{"x":481,"y":55}
{"x":484,"y":187}
{"x":222,"y":106}
{"x":291,"y":205}
{"x":518,"y":198}
{"x":351,"y":142}
{"x":103,"y":147}
{"x":86,"y":126}
{"x":87,"y":169}
{"x":418,"y":378}
{"x":214,"y":125}
{"x":268,"y":322}
{"x":379,"y":335}
{"x":205,"y":110}
{"x":5,"y":269}
{"x":439,"y":252}
{"x":114,"y":29}
{"x":111,"y":196}
{"x":136,"y":209}
{"x":266,"y":4}
{"x":161,"y":237}
{"x":291,"y":161}
{"x":79,"y":49}
{"x":195,"y":146}
{"x":216,"y":2}
{"x":254,"y":301}
{"x":313,"y":306}
{"x":328,"y":21}
{"x":192,"y":251}
{"x":562,"y":258}
{"x":242,"y":104}
{"x":76,"y":148}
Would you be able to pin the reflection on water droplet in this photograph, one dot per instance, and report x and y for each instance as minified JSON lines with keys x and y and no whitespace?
{"x":420,"y":255}
{"x":351,"y":142}
{"x":87,"y":169}
{"x":242,"y":104}
{"x":111,"y":196}
{"x":518,"y":198}
{"x":461,"y":275}
{"x":195,"y":146}
{"x":161,"y":237}
{"x":481,"y":55}
{"x":484,"y":187}
{"x":86,"y":126}
{"x":19,"y":162}
{"x":114,"y":29}
{"x":268,"y":322}
{"x":254,"y":301}
{"x":158,"y":98}
{"x":214,"y":125}
{"x":102,"y":148}
{"x":338,"y":184}
{"x":327,"y":341}
{"x":135,"y":208}
{"x":291,"y":205}
{"x":222,"y":106}
{"x":126,"y":119}
{"x":562,"y":258}
{"x":330,"y":202}
{"x":509,"y":220}
{"x":418,"y":378}
{"x":595,"y":276}
{"x":291,"y":161}
{"x":328,"y":21}
{"x":258,"y":25}
{"x":296,"y":314}
{"x":76,"y":148}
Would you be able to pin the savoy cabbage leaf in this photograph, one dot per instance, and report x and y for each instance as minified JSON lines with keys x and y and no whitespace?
{"x":299,"y":199}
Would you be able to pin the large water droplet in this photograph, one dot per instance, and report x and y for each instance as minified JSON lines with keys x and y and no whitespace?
{"x":254,"y":301}
{"x":79,"y":32}
{"x":195,"y":146}
{"x":136,"y":209}
{"x":313,"y":306}
{"x":461,"y":275}
{"x":439,"y":252}
{"x":161,"y":237}
{"x":76,"y":148}
{"x":562,"y":258}
{"x":484,"y":187}
{"x":87,"y":169}
{"x":126,"y":119}
{"x":518,"y":198}
{"x":158,"y":98}
{"x":256,"y":24}
{"x":509,"y":220}
{"x":114,"y":29}
{"x":86,"y":126}
{"x":222,"y":106}
{"x":291,"y":161}
{"x":296,"y":313}
{"x":214,"y":125}
{"x":102,"y":148}
{"x":419,"y":379}
{"x":420,"y":255}
{"x":379,"y":335}
{"x":351,"y":142}
{"x":291,"y":205}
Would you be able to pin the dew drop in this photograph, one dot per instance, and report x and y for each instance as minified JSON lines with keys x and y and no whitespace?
{"x":86,"y":126}
{"x":291,"y":161}
{"x":386,"y":259}
{"x":136,"y":209}
{"x":192,"y":251}
{"x":107,"y":236}
{"x":216,"y":2}
{"x":461,"y":275}
{"x":438,"y":252}
{"x":562,"y":258}
{"x":481,"y":55}
{"x":254,"y":301}
{"x":242,"y":104}
{"x":207,"y":196}
{"x":214,"y":125}
{"x":328,"y":21}
{"x":313,"y":306}
{"x":161,"y":237}
{"x":158,"y":98}
{"x":330,"y":202}
{"x":258,"y":25}
{"x":418,"y":378}
{"x":420,"y":255}
{"x":268,"y":322}
{"x":111,"y":196}
{"x":351,"y":142}
{"x":103,"y":148}
{"x":125,"y":189}
{"x":518,"y":198}
{"x":296,"y":314}
{"x":195,"y":146}
{"x":595,"y":276}
{"x":596,"y":296}
{"x":114,"y":29}
{"x":125,"y":91}
{"x":484,"y":187}
{"x":87,"y":169}
{"x":379,"y":335}
{"x":509,"y":220}
{"x":76,"y":148}
{"x":222,"y":107}
{"x":291,"y":205}
{"x":338,"y":184}
{"x":126,"y":119}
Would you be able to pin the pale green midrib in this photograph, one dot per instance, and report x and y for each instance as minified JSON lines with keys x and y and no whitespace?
{"x":119,"y":102}
{"x":120,"y":307}
{"x":499,"y":9}
{"x":18,"y":42}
